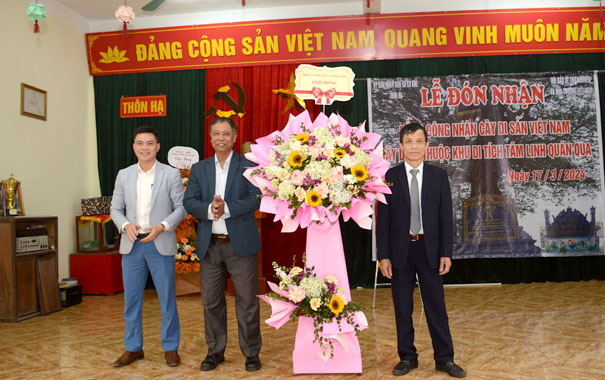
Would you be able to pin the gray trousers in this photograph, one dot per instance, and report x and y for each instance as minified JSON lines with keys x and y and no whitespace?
{"x":220,"y":260}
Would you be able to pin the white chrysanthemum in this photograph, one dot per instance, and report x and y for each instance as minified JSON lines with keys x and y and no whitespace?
{"x":339,"y":195}
{"x":295,"y":144}
{"x":332,"y":279}
{"x":283,"y":175}
{"x":272,"y":171}
{"x":281,"y":274}
{"x":284,"y":150}
{"x":354,"y":190}
{"x":315,"y":151}
{"x":348,"y":161}
{"x":285,"y":284}
{"x":322,"y":133}
{"x":362,"y":158}
{"x":285,"y":190}
{"x":273,"y":157}
{"x":327,"y":179}
{"x":300,"y":193}
{"x":341,"y":293}
{"x":349,"y":179}
{"x":315,"y":303}
{"x":313,"y":286}
{"x":342,"y":140}
{"x":318,"y":169}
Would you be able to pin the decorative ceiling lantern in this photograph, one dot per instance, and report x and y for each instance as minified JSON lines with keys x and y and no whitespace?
{"x":36,"y":12}
{"x":124,"y":14}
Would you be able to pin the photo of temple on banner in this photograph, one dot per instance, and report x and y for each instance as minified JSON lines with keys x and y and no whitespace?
{"x":523,"y":152}
{"x":302,"y":190}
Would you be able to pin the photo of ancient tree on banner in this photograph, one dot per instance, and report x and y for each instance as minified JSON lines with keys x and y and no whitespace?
{"x":523,"y":153}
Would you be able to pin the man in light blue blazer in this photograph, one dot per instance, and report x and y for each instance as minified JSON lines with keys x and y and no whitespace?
{"x":224,"y":202}
{"x":146,"y":207}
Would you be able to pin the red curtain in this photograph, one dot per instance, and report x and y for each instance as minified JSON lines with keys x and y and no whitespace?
{"x":263,"y":109}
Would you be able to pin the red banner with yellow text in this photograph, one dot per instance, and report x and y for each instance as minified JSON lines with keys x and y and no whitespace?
{"x":348,"y":38}
{"x":143,"y":106}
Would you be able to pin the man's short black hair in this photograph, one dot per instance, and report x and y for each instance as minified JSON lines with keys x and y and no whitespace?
{"x":145,"y":129}
{"x":411,"y":128}
{"x":221,"y":119}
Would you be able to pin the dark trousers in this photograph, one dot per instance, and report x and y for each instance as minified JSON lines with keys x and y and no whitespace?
{"x":431,"y":290}
{"x":220,"y":260}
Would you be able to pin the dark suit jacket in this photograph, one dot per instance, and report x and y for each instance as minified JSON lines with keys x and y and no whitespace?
{"x":393,"y":219}
{"x":241,"y":197}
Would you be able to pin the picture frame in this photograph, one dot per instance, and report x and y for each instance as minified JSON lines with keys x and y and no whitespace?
{"x":33,"y":102}
{"x":4,"y":201}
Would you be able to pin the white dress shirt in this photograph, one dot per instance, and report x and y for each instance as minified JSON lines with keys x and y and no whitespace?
{"x":218,"y":226}
{"x":144,"y":192}
{"x":144,"y":189}
{"x":419,"y":179}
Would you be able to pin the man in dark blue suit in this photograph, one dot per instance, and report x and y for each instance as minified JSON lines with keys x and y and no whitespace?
{"x":415,"y":237}
{"x":224,"y":202}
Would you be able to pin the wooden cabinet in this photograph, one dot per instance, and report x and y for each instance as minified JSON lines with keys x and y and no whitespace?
{"x":28,"y":279}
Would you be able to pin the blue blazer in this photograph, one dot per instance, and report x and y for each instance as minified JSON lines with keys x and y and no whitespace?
{"x":166,"y":204}
{"x":393,"y":219}
{"x":241,"y":197}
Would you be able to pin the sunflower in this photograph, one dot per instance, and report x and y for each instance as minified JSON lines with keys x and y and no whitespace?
{"x":336,"y":305}
{"x":313,"y":198}
{"x":340,"y":153}
{"x":360,"y":172}
{"x":302,"y":137}
{"x":295,"y":159}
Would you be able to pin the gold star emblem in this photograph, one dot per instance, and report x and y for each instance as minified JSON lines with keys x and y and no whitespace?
{"x":288,"y":93}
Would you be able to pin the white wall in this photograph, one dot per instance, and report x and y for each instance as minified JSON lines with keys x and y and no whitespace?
{"x":55,"y":160}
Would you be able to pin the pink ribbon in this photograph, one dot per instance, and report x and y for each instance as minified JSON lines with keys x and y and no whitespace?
{"x":280,"y":311}
{"x":318,"y":93}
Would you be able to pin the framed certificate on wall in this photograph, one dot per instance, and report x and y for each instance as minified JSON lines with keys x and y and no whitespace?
{"x":33,"y":102}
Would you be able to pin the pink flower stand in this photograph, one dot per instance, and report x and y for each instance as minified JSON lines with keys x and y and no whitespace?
{"x":308,"y":357}
{"x":325,"y":253}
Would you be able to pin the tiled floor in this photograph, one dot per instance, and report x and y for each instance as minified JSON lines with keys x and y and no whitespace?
{"x":526,"y":331}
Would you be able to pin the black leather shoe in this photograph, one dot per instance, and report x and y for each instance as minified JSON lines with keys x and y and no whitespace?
{"x":451,"y":369}
{"x":212,"y":361}
{"x":404,"y":367}
{"x":252,"y":364}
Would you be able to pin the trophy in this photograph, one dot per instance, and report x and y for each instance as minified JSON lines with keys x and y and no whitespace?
{"x":10,"y":189}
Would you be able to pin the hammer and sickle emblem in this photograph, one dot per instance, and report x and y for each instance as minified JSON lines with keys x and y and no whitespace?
{"x":236,"y":108}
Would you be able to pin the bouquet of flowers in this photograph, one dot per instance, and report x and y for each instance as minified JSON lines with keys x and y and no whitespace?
{"x":313,"y":170}
{"x":186,"y":260}
{"x":302,"y":292}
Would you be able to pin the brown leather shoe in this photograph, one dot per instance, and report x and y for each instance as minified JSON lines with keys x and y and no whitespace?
{"x":172,"y":358}
{"x":128,"y":357}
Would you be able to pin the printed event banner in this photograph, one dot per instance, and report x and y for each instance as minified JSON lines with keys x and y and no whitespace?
{"x":348,"y":38}
{"x":523,"y":153}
